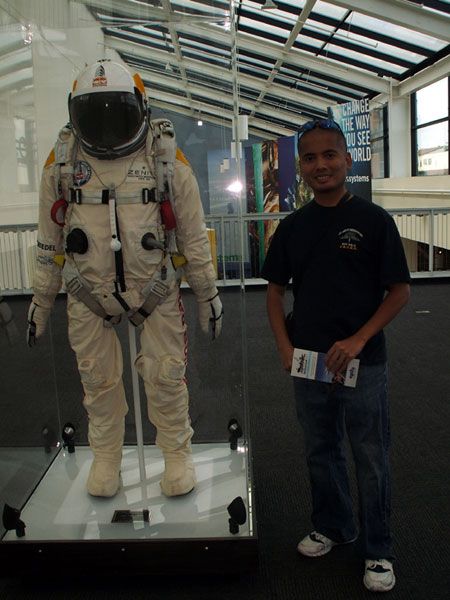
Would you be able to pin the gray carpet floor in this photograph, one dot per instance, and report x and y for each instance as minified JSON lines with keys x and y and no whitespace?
{"x":418,"y":345}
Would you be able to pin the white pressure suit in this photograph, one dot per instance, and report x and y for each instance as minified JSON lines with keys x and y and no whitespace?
{"x":113,"y":237}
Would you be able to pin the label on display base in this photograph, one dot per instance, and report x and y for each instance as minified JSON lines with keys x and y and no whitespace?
{"x":308,"y":364}
{"x":131,"y":516}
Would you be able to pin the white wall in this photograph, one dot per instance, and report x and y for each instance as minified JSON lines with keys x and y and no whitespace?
{"x":399,"y":137}
{"x":412,"y":192}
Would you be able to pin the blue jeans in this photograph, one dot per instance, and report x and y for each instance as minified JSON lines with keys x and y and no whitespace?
{"x":325,"y":412}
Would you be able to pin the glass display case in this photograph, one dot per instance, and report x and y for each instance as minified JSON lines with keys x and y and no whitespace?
{"x":48,"y":518}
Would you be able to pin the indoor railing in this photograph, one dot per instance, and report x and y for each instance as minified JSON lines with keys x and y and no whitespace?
{"x":239,"y":244}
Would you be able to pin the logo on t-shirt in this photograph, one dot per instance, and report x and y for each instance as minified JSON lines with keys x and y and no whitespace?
{"x":349,"y":239}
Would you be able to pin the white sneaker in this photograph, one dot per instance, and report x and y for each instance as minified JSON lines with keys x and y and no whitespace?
{"x":316,"y":544}
{"x":379,"y":575}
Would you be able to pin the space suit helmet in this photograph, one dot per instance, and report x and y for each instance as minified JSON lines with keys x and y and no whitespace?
{"x":108,"y":110}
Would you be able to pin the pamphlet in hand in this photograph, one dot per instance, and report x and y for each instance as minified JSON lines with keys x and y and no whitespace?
{"x":311,"y":365}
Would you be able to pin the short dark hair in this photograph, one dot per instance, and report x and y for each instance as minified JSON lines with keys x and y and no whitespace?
{"x":327,"y":124}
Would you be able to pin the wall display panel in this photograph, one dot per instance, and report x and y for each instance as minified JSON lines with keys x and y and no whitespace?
{"x":52,"y":515}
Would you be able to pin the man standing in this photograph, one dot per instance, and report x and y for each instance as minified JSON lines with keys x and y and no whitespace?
{"x":120,"y":211}
{"x":349,"y":280}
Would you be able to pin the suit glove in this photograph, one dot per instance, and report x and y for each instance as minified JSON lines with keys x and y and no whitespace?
{"x":37,"y":322}
{"x":210,"y":315}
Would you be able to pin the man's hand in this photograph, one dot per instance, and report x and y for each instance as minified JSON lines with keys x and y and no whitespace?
{"x":37,"y":321}
{"x":286,"y":355}
{"x":210,"y":315}
{"x":342,"y":352}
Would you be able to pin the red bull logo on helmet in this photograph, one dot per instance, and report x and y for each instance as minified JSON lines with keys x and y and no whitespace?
{"x":100,"y":79}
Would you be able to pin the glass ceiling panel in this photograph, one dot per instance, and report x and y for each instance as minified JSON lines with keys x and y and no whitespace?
{"x":330,"y":10}
{"x":209,"y":58}
{"x":18,"y":57}
{"x":251,"y":56}
{"x":203,"y":48}
{"x":255,"y":12}
{"x":312,"y":89}
{"x":356,"y":39}
{"x":213,"y":8}
{"x":364,"y":58}
{"x":17,"y":77}
{"x":256,"y":6}
{"x":140,"y":35}
{"x":294,"y":77}
{"x":259,"y":26}
{"x":311,"y":25}
{"x":257,"y":73}
{"x":340,"y":43}
{"x":258,"y":38}
{"x":309,"y":41}
{"x":208,"y":42}
{"x":257,"y":64}
{"x":397,"y":32}
{"x":364,"y":41}
{"x":148,"y":41}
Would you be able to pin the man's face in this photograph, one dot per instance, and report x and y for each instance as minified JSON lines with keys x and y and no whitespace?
{"x":324,"y":161}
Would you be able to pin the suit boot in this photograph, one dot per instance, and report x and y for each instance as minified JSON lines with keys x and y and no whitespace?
{"x":106,"y":444}
{"x":104,"y":478}
{"x":179,"y":474}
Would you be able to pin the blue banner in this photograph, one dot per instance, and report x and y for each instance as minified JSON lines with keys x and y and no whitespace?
{"x":354,"y":119}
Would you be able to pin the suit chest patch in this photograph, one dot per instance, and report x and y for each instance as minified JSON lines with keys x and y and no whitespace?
{"x":82,"y":172}
{"x":139,"y":171}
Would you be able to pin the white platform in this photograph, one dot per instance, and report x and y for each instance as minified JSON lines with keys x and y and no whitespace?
{"x":61,"y":509}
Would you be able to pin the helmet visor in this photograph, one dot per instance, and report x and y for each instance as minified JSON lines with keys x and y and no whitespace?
{"x":106,"y":119}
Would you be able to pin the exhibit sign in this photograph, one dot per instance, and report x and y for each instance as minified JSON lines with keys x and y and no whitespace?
{"x":354,"y":120}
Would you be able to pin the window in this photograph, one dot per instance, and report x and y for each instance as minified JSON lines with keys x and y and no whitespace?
{"x":430,"y":129}
{"x":379,"y":143}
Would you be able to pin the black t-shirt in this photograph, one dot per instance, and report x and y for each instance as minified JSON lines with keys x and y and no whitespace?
{"x":340,"y":259}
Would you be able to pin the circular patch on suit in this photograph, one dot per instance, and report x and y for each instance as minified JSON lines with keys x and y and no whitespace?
{"x":58,"y":212}
{"x":82,"y":172}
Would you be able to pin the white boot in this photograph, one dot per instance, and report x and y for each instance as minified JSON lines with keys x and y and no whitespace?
{"x":106,"y":443}
{"x":104,"y":478}
{"x":179,"y":473}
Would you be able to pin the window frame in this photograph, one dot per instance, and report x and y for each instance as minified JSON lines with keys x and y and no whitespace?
{"x":415,"y":129}
{"x":385,"y":138}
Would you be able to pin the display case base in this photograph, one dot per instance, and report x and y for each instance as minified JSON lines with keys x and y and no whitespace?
{"x":139,"y":529}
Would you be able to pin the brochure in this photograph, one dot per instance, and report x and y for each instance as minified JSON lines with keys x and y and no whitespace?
{"x":311,"y":365}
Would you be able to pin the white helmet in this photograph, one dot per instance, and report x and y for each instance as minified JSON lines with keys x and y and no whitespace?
{"x":108,"y":110}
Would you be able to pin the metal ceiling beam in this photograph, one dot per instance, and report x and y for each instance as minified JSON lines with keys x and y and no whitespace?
{"x":14,"y":67}
{"x":220,"y":74}
{"x":265,"y":48}
{"x":304,"y":60}
{"x":226,"y":100}
{"x":437,"y":71}
{"x":263,"y":133}
{"x":398,"y":12}
{"x":176,"y":104}
{"x":416,"y":82}
{"x":303,"y":16}
{"x":176,"y":45}
{"x":153,"y":14}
